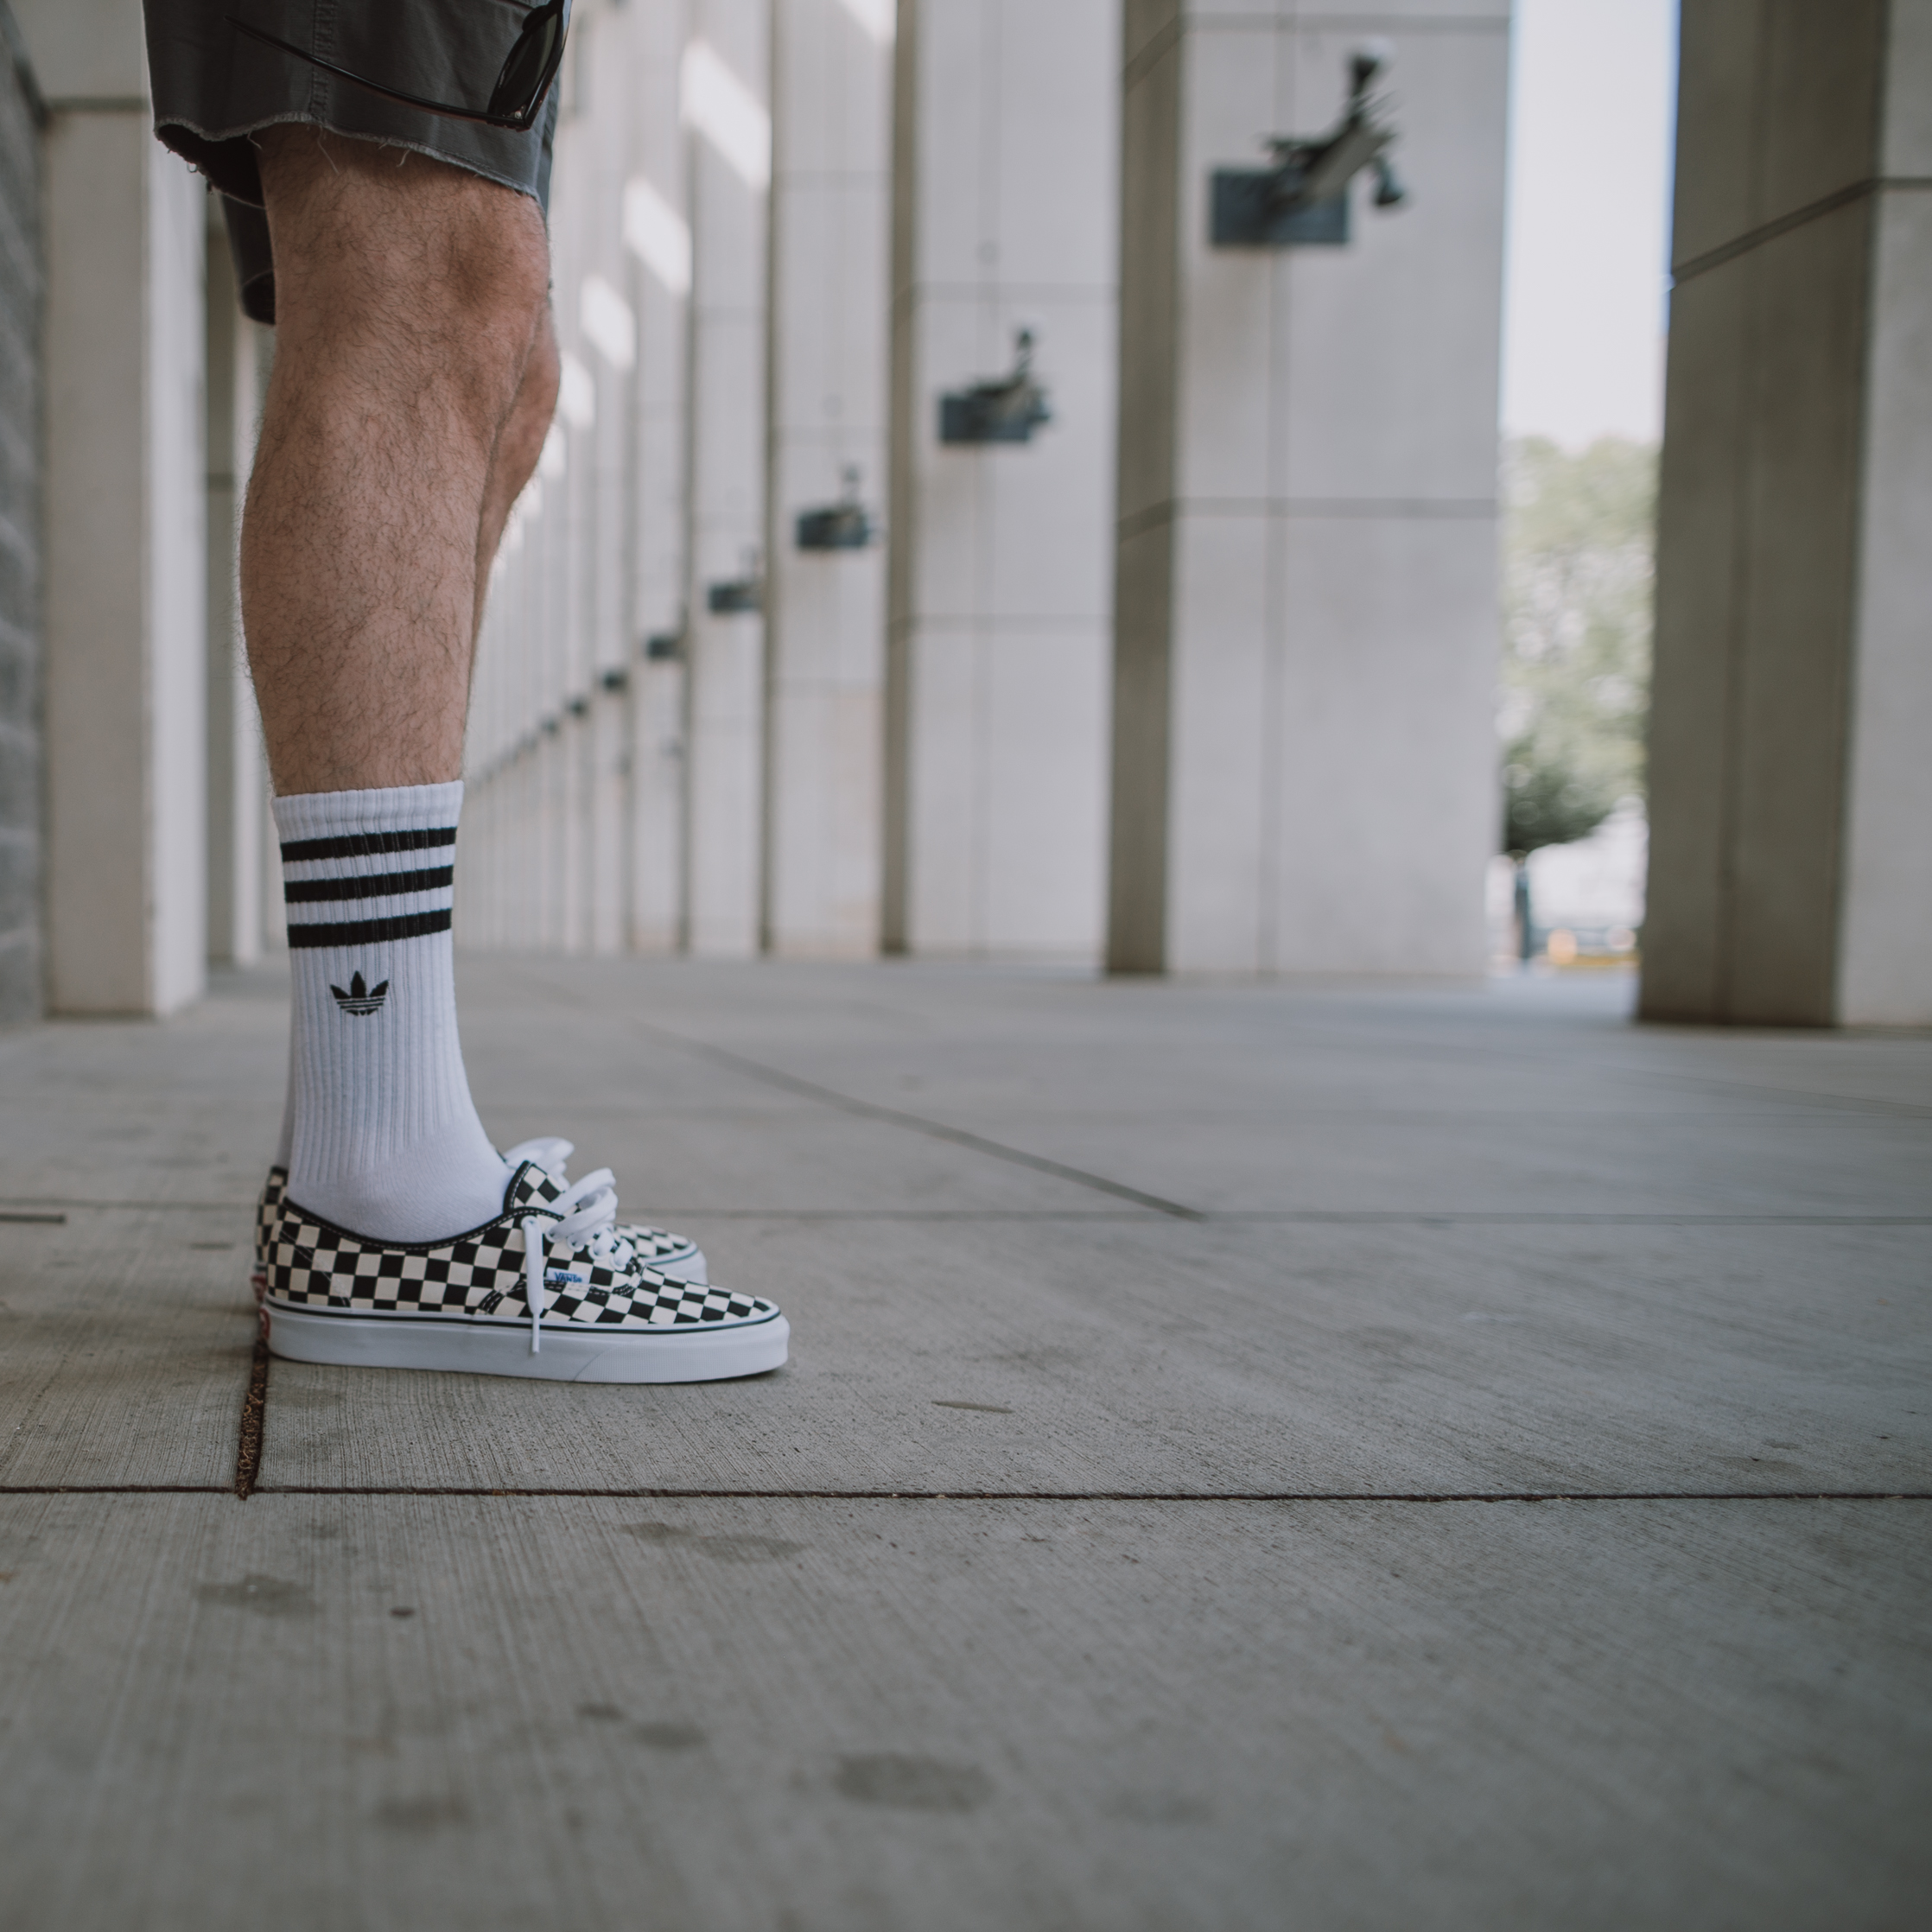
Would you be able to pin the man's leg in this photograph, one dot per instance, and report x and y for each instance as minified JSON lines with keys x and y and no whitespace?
{"x":410,"y":299}
{"x":518,"y":447}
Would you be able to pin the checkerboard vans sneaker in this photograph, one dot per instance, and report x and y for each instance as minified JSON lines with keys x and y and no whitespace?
{"x":550,"y":1289}
{"x":677,"y":1255}
{"x":265,"y":1210}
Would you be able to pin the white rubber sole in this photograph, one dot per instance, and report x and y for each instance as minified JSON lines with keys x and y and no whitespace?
{"x":696,"y":1352}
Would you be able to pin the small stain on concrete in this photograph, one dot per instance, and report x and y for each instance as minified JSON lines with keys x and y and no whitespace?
{"x":422,"y":1814}
{"x":669,"y":1737}
{"x":263,"y":1596}
{"x":725,"y":1549}
{"x":601,"y":1714}
{"x":747,"y":1549}
{"x":909,"y":1784}
{"x":293,"y":1396}
{"x":1158,"y":1807}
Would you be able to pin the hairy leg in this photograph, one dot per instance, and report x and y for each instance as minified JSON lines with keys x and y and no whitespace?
{"x":518,"y":448}
{"x":409,"y":298}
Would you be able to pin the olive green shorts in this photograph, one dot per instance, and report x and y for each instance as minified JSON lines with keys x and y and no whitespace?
{"x":214,"y":87}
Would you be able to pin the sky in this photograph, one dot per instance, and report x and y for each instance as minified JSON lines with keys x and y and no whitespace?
{"x":1592,"y":98}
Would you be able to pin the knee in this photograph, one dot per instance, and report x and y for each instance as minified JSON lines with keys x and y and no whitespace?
{"x":427,"y":277}
{"x":487,"y":281}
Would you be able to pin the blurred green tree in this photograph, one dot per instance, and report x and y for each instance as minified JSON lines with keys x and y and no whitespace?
{"x":1577,"y":565}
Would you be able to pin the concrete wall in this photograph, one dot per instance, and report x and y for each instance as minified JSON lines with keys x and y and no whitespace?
{"x":125,"y":562}
{"x":1790,"y":879}
{"x":1311,"y":465}
{"x":1304,"y":758}
{"x":573,"y":812}
{"x":825,"y":622}
{"x":657,"y":239}
{"x":725,"y":101}
{"x":22,"y":288}
{"x":647,"y":773}
{"x":1005,"y":157}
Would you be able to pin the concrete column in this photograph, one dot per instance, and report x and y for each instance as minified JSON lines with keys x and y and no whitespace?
{"x":724,"y":102}
{"x":21,"y":293}
{"x":126,"y":625}
{"x":1304,"y":770}
{"x":237,"y":771}
{"x":597,"y":327}
{"x":1791,"y":789}
{"x":1004,"y":163}
{"x":608,"y":328}
{"x":832,"y":63}
{"x":657,"y":239}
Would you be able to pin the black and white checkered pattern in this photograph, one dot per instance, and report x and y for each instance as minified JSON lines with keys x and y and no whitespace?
{"x":655,"y":1246}
{"x":480,"y":1276}
{"x":272,"y":1191}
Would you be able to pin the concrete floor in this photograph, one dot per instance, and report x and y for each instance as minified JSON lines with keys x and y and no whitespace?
{"x":1252,"y":1456}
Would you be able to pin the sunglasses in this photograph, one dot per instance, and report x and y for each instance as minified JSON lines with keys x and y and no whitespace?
{"x":515,"y":101}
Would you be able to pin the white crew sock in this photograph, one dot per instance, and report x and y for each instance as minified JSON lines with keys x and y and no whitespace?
{"x":385,"y":1139}
{"x":285,"y":1140}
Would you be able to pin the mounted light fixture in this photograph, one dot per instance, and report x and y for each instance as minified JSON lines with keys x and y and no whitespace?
{"x":1303,"y":200}
{"x":842,"y":525}
{"x":1008,"y":410}
{"x":734,"y":596}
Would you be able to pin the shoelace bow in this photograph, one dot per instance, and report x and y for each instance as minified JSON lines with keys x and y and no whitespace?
{"x":586,"y":1211}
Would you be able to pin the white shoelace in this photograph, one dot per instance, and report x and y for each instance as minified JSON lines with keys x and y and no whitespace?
{"x":587,"y":1211}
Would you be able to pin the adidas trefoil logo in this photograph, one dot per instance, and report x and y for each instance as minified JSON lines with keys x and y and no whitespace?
{"x":361,"y":998}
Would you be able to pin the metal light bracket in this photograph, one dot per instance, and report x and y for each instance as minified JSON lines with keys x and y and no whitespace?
{"x":734,"y":596}
{"x":1303,"y":200}
{"x":1006,"y":410}
{"x":842,"y":525}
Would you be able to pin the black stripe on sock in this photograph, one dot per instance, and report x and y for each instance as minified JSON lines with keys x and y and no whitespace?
{"x":381,"y":885}
{"x":368,"y":932}
{"x":363,"y":845}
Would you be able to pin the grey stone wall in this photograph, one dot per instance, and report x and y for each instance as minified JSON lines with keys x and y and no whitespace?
{"x":21,"y":287}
